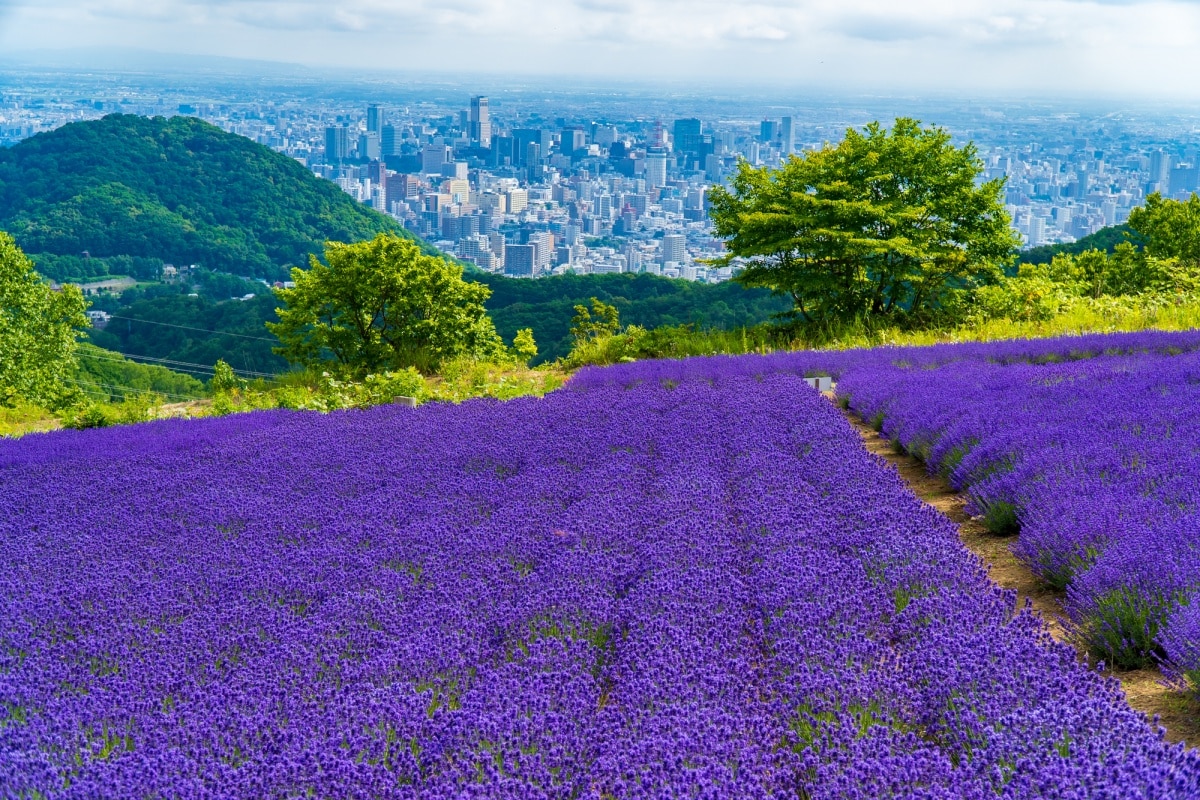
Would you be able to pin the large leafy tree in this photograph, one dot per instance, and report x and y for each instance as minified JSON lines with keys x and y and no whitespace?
{"x":39,"y":331}
{"x":886,"y":223}
{"x":381,"y":305}
{"x":1170,"y":228}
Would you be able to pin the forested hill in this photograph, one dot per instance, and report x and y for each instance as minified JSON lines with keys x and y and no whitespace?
{"x":175,"y":189}
{"x":1105,"y":239}
{"x":547,"y":304}
{"x":199,"y":330}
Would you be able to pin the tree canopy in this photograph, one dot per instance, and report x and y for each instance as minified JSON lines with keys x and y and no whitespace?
{"x":39,"y":331}
{"x":382,"y":305}
{"x":886,"y":223}
{"x":180,"y":190}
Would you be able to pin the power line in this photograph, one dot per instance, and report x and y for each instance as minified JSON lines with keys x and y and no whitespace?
{"x":124,"y":389}
{"x":179,"y":364}
{"x":190,"y":328}
{"x":204,"y":372}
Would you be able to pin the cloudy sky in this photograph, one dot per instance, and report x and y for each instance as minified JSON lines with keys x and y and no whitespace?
{"x":1049,"y":47}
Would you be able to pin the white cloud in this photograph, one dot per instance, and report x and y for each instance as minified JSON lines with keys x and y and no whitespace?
{"x":1078,"y":46}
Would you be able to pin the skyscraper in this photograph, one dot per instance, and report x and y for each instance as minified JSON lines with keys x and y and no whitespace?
{"x":768,"y":131}
{"x":337,"y":144}
{"x":480,"y":122}
{"x":375,"y":120}
{"x":787,"y":136}
{"x":687,"y":135}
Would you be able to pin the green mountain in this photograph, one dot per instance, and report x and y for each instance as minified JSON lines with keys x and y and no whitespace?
{"x":177,"y":190}
{"x":1105,"y":239}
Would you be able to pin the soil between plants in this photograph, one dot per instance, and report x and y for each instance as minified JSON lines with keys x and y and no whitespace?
{"x":1144,"y":689}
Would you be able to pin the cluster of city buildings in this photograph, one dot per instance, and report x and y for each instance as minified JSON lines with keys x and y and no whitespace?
{"x":519,"y":189}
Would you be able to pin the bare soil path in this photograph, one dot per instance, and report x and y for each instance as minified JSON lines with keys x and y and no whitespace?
{"x":1144,"y":688}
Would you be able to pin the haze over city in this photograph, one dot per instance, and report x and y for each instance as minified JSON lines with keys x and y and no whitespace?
{"x":1070,"y":48}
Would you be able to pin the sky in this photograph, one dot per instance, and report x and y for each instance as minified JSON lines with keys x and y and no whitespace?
{"x":1070,"y":48}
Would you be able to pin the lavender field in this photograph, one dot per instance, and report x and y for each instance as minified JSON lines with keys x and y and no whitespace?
{"x":680,"y":579}
{"x":1097,"y":462}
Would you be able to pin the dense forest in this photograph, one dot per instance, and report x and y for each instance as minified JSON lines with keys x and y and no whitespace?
{"x":177,"y":190}
{"x":1105,"y":239}
{"x":547,"y":304}
{"x":167,"y":324}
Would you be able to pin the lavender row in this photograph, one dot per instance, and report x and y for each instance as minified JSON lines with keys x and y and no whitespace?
{"x":1095,"y":461}
{"x":700,"y":588}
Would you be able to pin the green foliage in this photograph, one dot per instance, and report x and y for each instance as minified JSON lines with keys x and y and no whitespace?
{"x":678,"y":341}
{"x":177,"y":327}
{"x":546,"y":305}
{"x":382,"y":305}
{"x":1171,"y":228}
{"x":177,"y":189}
{"x":109,"y":377}
{"x":39,"y":331}
{"x":1125,"y":624}
{"x":1105,"y":240}
{"x":524,"y":346}
{"x":601,"y":320}
{"x":885,"y":224}
{"x":77,"y":269}
{"x":133,"y":409}
{"x":224,"y":379}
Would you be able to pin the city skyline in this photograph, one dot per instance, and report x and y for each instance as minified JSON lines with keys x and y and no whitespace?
{"x":990,"y":47}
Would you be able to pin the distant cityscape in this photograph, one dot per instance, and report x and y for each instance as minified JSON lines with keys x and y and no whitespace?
{"x":532,"y":186}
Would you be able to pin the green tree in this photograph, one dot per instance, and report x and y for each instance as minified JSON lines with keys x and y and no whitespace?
{"x":887,"y":223}
{"x":524,"y":345}
{"x":601,"y":320}
{"x":39,"y":331}
{"x":382,"y":305}
{"x":1171,"y":228}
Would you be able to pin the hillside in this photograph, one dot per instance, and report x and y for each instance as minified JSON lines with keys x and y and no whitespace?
{"x":199,"y":330}
{"x":547,"y":304}
{"x":1105,"y":239}
{"x":176,"y":189}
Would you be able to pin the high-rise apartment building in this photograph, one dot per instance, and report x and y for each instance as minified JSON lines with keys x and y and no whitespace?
{"x":480,"y":122}
{"x":520,"y":260}
{"x":544,"y":242}
{"x":337,"y":144}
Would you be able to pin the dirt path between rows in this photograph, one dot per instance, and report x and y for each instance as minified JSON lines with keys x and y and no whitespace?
{"x":1144,"y":689}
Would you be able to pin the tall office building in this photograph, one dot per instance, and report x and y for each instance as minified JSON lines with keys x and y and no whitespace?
{"x":687,"y":135}
{"x":656,"y":167}
{"x":480,"y":122}
{"x":787,"y":137}
{"x":768,"y":131}
{"x":337,"y":144}
{"x":389,"y":141}
{"x":433,"y":156}
{"x":674,"y":248}
{"x":369,"y":146}
{"x":375,"y":120}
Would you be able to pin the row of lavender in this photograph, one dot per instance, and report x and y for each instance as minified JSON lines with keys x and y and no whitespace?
{"x":699,"y":587}
{"x":1090,"y":445}
{"x":1099,"y":463}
